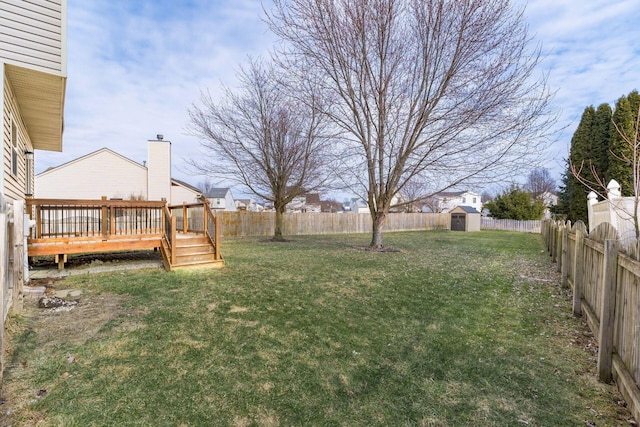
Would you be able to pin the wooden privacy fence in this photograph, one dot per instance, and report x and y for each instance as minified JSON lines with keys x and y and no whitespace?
{"x":242,"y":223}
{"x":605,"y":279}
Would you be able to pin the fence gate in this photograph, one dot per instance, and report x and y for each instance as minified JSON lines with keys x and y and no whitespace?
{"x":458,"y":222}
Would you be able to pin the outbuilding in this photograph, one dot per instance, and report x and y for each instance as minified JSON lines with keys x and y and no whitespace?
{"x":465,"y":218}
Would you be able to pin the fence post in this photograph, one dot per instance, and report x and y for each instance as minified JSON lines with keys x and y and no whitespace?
{"x":552,"y":242}
{"x":605,"y":335}
{"x":564,"y":267}
{"x":559,"y":248}
{"x":578,"y":273}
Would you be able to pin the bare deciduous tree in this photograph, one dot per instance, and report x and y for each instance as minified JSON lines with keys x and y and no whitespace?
{"x":263,"y":138}
{"x":441,"y":89}
{"x":206,"y":185}
{"x":539,"y":182}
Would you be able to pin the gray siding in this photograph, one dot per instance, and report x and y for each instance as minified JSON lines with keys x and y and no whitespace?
{"x":32,"y":34}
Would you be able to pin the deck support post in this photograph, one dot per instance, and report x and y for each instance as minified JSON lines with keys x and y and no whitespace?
{"x":60,"y":260}
{"x":105,"y":226}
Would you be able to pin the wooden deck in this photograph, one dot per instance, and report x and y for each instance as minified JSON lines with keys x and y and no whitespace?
{"x":64,"y":227}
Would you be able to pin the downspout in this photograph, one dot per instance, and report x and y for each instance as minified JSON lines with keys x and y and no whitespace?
{"x":27,"y":225}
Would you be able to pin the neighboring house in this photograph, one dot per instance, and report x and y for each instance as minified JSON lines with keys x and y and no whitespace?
{"x":220,"y":199}
{"x":331,"y":206}
{"x":358,"y":206}
{"x":107,"y":173}
{"x":549,"y":199}
{"x":446,"y":201}
{"x":309,"y":202}
{"x":184,"y":191}
{"x":248,"y":205}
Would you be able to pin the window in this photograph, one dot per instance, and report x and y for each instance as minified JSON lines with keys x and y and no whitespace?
{"x":14,"y":147}
{"x":464,"y":200}
{"x":474,"y":200}
{"x":217,"y":201}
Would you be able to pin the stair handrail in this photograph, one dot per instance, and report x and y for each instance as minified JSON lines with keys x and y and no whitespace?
{"x":170,"y":233}
{"x":212,"y":221}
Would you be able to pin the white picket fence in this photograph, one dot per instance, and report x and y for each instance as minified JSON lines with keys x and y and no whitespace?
{"x":510,"y":225}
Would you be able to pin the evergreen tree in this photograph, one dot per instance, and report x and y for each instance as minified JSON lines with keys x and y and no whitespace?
{"x":580,"y":158}
{"x":623,"y":119}
{"x":601,"y":137}
{"x":565,"y":190}
{"x":516,"y":204}
{"x":598,"y":154}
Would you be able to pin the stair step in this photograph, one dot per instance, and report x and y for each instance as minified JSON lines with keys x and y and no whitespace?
{"x":198,"y":264}
{"x":193,"y":249}
{"x":191,"y":240}
{"x":195,"y":257}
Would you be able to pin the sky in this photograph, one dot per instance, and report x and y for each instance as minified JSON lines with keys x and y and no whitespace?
{"x":134,"y":68}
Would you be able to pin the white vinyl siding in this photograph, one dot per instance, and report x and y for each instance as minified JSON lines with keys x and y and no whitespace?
{"x":180,"y":195}
{"x":102,"y":173}
{"x":16,"y":142}
{"x":32,"y":34}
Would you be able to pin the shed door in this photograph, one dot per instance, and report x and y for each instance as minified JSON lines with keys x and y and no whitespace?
{"x":458,"y":221}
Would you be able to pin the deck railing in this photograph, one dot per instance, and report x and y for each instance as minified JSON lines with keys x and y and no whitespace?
{"x":68,"y":220}
{"x":198,"y":218}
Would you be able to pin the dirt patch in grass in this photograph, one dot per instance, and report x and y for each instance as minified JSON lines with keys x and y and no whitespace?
{"x":43,"y":330}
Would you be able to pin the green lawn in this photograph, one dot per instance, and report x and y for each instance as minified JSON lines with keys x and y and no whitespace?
{"x":453,"y":329}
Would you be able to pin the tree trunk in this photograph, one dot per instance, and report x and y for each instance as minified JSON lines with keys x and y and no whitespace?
{"x":279,"y":225}
{"x":378,"y":225}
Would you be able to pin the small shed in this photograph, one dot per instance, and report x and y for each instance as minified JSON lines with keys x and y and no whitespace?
{"x":465,"y":218}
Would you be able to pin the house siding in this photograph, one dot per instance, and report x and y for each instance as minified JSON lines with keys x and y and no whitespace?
{"x":102,"y":173}
{"x":180,"y":195}
{"x":14,"y":186}
{"x":3,"y":112}
{"x":33,"y":34}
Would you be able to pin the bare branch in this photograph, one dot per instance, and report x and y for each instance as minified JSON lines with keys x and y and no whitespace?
{"x":440,"y":90}
{"x":263,"y":137}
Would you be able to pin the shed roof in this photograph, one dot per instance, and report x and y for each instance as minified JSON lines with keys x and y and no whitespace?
{"x":467,"y":209}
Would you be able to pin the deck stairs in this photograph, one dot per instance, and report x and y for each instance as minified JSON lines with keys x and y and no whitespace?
{"x":191,"y":251}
